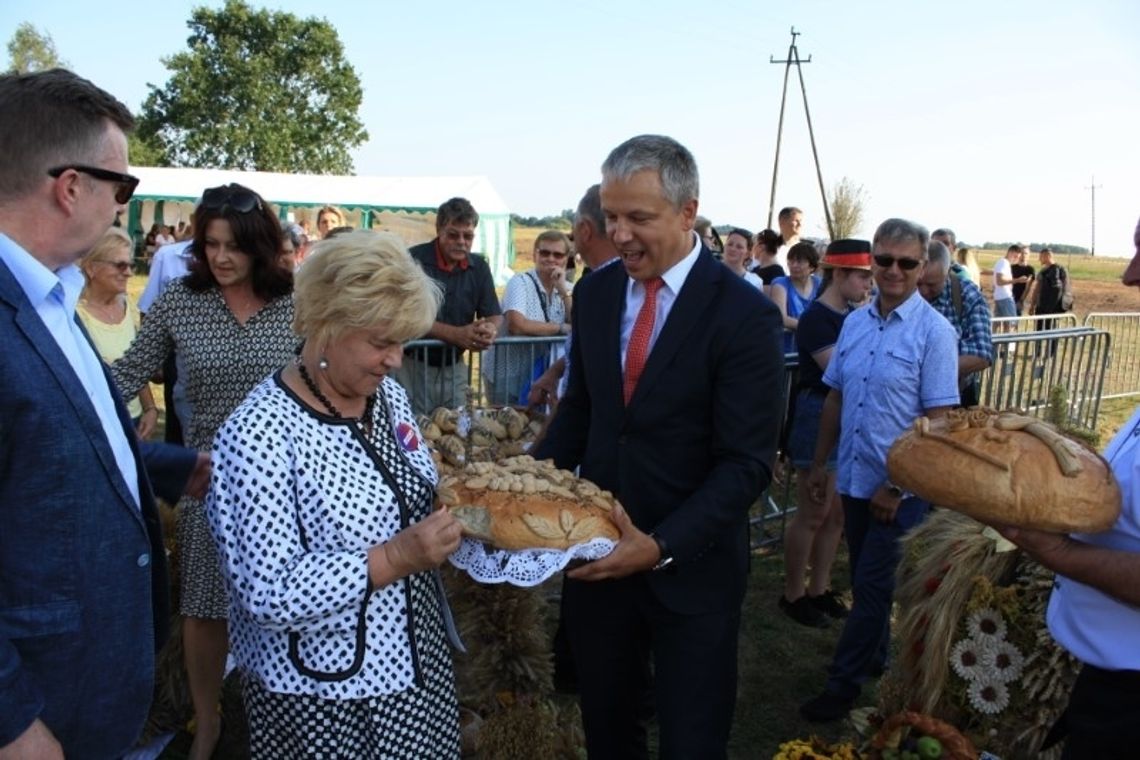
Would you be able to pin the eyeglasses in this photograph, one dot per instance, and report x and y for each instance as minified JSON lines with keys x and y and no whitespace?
{"x":240,"y":200}
{"x":905,"y":264}
{"x":555,"y":254}
{"x":126,"y":182}
{"x":121,"y":266}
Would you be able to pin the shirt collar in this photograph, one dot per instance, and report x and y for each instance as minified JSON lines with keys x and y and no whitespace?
{"x":36,"y":280}
{"x":904,"y":310}
{"x":445,"y":264}
{"x":675,"y":275}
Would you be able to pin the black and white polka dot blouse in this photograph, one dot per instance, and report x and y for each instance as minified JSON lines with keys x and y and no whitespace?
{"x":296,"y":501}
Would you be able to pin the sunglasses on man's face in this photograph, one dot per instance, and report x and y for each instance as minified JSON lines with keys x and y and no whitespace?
{"x":241,"y":201}
{"x":905,"y":264}
{"x":126,"y":182}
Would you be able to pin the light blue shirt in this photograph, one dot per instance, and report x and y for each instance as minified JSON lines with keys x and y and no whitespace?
{"x":54,"y":295}
{"x":1095,"y":627}
{"x":890,"y":371}
{"x":169,"y":263}
{"x":674,"y":279}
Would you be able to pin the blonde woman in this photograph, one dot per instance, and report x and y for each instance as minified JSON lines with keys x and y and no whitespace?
{"x":321,"y":506}
{"x":111,"y":319}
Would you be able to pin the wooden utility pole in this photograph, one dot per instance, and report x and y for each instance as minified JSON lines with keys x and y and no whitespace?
{"x":794,"y":58}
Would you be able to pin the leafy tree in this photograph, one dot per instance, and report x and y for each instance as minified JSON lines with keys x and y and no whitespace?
{"x":257,"y":89}
{"x":847,"y":200}
{"x":30,"y":51}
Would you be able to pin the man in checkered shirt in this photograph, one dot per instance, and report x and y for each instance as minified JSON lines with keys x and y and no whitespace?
{"x":968,"y":313}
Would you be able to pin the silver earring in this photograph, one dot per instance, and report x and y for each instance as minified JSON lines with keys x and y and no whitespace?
{"x":323,"y":363}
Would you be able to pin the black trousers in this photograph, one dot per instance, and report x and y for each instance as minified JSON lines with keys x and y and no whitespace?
{"x":615,"y":629}
{"x":1102,"y":720}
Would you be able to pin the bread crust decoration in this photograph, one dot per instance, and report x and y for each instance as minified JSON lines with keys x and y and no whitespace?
{"x":1006,"y":468}
{"x":520,"y":503}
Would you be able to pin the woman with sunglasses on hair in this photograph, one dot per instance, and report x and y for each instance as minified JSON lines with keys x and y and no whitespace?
{"x":535,"y":303}
{"x":230,"y":323}
{"x":111,"y":319}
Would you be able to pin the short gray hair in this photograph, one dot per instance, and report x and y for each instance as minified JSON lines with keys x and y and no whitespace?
{"x":901,"y":231}
{"x":938,"y":255}
{"x":590,"y":209}
{"x":672,"y":161}
{"x":947,"y":233}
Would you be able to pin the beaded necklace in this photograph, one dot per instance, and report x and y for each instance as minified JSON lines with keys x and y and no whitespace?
{"x":364,"y":421}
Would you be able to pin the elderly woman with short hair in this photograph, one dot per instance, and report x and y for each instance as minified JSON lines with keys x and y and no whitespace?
{"x":321,"y":506}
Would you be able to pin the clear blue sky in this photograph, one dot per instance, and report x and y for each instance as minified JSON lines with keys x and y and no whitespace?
{"x":989,"y":117}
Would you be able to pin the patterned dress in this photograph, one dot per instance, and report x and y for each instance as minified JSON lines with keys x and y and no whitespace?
{"x":332,"y":667}
{"x":222,"y":360}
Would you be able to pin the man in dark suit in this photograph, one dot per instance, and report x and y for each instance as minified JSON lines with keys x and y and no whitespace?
{"x":671,"y":406}
{"x":82,"y":567}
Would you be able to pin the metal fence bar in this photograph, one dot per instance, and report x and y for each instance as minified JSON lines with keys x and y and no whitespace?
{"x":1032,"y":323}
{"x":1122,"y":378}
{"x":1028,"y":366}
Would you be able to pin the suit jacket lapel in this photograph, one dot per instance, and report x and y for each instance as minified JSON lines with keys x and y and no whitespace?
{"x":684,"y":317}
{"x":40,"y":340}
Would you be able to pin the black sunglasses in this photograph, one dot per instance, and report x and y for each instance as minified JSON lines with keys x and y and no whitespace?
{"x":126,"y":182}
{"x":905,"y":264}
{"x":240,"y":200}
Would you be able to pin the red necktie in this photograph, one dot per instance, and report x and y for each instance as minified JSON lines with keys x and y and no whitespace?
{"x":638,"y":350}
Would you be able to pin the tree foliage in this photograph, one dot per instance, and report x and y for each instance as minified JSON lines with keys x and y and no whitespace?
{"x":847,"y":199}
{"x":563,"y":221}
{"x":257,"y":89}
{"x":30,"y":51}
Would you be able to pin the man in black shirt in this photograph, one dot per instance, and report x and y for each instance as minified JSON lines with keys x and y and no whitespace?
{"x":468,"y":318}
{"x":1021,"y":289}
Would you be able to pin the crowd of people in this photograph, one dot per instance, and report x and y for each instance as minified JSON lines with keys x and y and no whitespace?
{"x":308,"y":544}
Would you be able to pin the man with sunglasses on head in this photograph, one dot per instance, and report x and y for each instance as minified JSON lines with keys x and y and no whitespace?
{"x":82,"y":565}
{"x":468,"y":319}
{"x":896,"y":360}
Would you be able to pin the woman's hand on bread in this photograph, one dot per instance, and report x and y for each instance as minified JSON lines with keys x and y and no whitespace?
{"x":419,"y":547}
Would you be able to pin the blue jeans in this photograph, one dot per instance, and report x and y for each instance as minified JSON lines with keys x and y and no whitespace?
{"x":874,"y":554}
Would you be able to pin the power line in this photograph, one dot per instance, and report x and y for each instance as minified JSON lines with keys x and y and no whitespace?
{"x":794,"y":58}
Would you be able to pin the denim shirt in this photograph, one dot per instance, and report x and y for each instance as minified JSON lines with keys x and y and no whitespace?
{"x":890,"y":371}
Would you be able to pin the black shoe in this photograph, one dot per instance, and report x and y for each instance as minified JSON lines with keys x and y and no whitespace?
{"x":804,"y":612}
{"x":825,"y":708}
{"x":829,"y":604}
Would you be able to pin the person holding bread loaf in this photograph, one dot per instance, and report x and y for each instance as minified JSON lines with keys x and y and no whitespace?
{"x":1094,"y":611}
{"x":896,"y":360}
{"x":661,"y":410}
{"x":321,"y":507}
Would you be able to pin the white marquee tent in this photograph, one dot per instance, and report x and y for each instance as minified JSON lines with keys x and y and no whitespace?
{"x":168,"y":196}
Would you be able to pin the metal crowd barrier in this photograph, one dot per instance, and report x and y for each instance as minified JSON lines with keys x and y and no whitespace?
{"x":1122,"y":378}
{"x":434,"y":376}
{"x":1033,"y":323}
{"x":1026,"y":367}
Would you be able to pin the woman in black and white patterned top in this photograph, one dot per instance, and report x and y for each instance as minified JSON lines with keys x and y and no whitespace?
{"x":230,"y":323}
{"x":321,"y":506}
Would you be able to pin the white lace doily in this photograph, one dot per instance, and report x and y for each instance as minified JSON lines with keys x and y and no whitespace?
{"x":528,"y":567}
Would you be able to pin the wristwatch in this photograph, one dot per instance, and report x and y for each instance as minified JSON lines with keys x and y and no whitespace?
{"x":894,"y":490}
{"x":666,"y":558}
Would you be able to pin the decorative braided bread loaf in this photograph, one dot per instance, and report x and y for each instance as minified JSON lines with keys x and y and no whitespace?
{"x":1007,"y":469}
{"x":520,"y":503}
